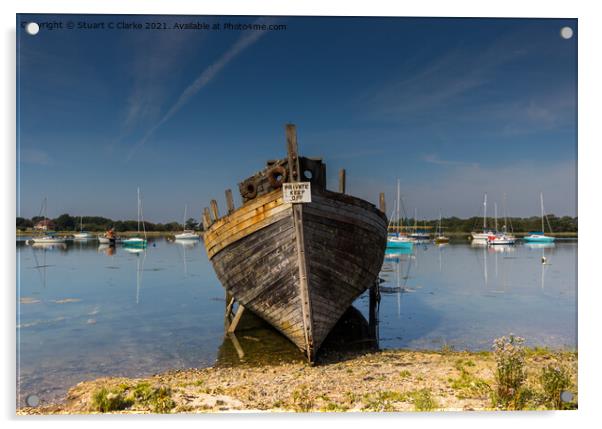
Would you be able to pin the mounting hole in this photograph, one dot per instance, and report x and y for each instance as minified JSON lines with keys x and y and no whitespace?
{"x":32,"y":400}
{"x":566,"y":396}
{"x":32,"y":28}
{"x":566,"y":32}
{"x":308,"y":174}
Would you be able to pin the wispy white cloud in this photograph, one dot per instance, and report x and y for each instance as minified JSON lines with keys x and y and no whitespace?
{"x":435,"y":159}
{"x":204,"y":79}
{"x":35,"y":156}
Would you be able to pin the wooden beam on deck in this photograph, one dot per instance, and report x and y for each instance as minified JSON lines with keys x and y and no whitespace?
{"x":293,"y":165}
{"x":206,"y":219}
{"x":229,"y":201}
{"x":381,"y":203}
{"x":214,"y":210}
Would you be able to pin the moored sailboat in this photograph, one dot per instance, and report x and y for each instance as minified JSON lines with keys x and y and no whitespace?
{"x":186,"y":234}
{"x":137,"y":242}
{"x":82,"y":235}
{"x":47,"y":237}
{"x":498,"y":238}
{"x":484,"y":235}
{"x":440,"y":238}
{"x":396,"y":239}
{"x":540,"y":236}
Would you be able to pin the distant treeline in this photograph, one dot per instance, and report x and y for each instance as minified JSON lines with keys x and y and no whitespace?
{"x":66,"y":222}
{"x":515,"y":224}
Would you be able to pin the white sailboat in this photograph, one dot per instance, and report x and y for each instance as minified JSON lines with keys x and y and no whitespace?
{"x":48,"y":237}
{"x":500,"y":238}
{"x":484,"y":235}
{"x":82,"y":235}
{"x":186,"y":234}
{"x":440,"y":237}
{"x":137,"y":242}
{"x":418,"y":236}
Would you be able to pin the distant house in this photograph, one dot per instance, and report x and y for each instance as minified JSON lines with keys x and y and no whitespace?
{"x":44,"y":225}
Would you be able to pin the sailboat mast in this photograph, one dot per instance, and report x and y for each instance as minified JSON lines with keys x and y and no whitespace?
{"x":505,"y":213}
{"x":138,"y":215}
{"x":485,"y":212}
{"x":541,"y":199}
{"x":495,"y":210}
{"x":397,"y":208}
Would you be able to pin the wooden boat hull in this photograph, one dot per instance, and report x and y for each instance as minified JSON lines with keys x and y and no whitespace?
{"x":257,"y":251}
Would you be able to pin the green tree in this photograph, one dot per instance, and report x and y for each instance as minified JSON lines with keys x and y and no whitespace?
{"x":23,"y":223}
{"x":191,"y":224}
{"x":64,"y":222}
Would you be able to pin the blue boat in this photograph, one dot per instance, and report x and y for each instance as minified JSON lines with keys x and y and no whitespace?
{"x":395,"y":240}
{"x":540,"y":236}
{"x":399,"y":242}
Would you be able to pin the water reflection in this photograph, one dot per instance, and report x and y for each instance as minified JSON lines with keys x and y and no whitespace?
{"x":185,"y":245}
{"x":255,"y":342}
{"x":79,"y":319}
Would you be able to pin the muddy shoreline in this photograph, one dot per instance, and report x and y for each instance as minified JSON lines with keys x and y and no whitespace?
{"x":388,"y":380}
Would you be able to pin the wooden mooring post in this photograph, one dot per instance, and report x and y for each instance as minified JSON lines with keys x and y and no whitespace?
{"x":342,"y":180}
{"x":374,"y":306}
{"x":381,"y":203}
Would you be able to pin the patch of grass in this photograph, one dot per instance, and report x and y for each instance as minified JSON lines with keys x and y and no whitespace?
{"x":405,"y":374}
{"x":538,"y":351}
{"x":423,"y":400}
{"x":351,"y":397}
{"x":157,"y":399}
{"x":105,"y":400}
{"x":470,"y":386}
{"x":554,"y":380}
{"x":141,"y":392}
{"x":384,"y":400}
{"x":302,"y":400}
{"x":334,"y":407}
{"x":161,"y":401}
{"x":510,"y":374}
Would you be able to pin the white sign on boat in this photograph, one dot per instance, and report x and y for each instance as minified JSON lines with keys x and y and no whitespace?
{"x":299,"y":192}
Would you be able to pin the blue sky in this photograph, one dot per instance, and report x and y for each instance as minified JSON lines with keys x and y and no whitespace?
{"x":453,"y":107}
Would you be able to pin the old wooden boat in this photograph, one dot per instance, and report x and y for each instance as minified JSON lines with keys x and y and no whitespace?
{"x":298,"y":266}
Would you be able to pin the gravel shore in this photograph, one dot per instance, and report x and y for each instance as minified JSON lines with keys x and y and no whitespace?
{"x":390,"y":380}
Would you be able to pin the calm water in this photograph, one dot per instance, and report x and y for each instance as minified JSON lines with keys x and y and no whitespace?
{"x":85,"y":312}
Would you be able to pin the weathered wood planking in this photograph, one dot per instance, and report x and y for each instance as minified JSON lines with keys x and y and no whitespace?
{"x":297,"y":266}
{"x":344,"y":249}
